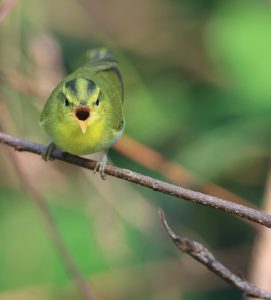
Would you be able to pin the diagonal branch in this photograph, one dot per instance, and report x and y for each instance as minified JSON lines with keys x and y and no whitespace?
{"x":205,"y":257}
{"x":154,"y":184}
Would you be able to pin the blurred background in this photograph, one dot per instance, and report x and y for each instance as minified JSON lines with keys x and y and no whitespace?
{"x":197,"y":78}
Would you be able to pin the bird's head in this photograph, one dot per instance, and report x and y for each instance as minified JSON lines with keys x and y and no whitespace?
{"x":82,"y":98}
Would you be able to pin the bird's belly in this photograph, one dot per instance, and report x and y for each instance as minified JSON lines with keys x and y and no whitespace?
{"x":95,"y":139}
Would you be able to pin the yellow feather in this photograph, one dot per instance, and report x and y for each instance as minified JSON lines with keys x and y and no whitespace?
{"x":92,"y":96}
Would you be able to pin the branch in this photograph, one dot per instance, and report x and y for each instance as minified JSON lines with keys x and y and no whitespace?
{"x":154,"y":184}
{"x":205,"y":257}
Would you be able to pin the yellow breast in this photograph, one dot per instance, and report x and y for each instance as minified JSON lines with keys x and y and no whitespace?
{"x":71,"y":139}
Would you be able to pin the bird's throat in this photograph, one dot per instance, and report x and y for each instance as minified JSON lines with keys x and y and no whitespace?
{"x":83,"y":125}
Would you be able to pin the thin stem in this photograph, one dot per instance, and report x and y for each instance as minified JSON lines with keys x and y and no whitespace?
{"x":205,"y":257}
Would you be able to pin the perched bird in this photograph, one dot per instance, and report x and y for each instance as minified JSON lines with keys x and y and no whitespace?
{"x":84,"y":113}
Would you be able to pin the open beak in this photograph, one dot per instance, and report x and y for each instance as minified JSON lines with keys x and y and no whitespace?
{"x":82,"y":115}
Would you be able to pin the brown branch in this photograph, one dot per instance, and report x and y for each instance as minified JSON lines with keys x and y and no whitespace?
{"x":205,"y":257}
{"x":154,"y":184}
{"x":4,"y":10}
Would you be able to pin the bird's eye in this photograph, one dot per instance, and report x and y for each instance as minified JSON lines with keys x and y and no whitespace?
{"x":97,"y":101}
{"x":67,"y":103}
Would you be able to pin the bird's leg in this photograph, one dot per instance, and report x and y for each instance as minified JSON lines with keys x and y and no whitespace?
{"x":48,"y":151}
{"x":101,"y":165}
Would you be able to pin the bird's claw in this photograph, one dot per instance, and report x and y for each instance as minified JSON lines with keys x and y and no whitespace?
{"x":47,"y":154}
{"x":100,"y":166}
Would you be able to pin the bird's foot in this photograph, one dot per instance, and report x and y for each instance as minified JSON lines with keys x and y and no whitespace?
{"x":100,"y":166}
{"x":47,"y":154}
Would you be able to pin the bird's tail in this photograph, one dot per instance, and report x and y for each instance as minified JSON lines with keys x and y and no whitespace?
{"x":100,"y":59}
{"x":98,"y":54}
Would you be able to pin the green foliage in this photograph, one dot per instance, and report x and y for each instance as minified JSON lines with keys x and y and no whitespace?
{"x":238,"y":39}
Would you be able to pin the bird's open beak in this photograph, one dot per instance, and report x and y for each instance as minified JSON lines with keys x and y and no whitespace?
{"x":82,"y":115}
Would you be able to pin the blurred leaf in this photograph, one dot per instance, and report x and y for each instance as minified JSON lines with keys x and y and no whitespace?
{"x":238,"y":40}
{"x":220,"y":148}
{"x":26,"y":245}
{"x":156,"y":112}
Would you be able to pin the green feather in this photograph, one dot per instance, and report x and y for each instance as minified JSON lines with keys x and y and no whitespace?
{"x":91,"y":96}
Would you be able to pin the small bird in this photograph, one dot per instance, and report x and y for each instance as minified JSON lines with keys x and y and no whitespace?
{"x":84,"y":113}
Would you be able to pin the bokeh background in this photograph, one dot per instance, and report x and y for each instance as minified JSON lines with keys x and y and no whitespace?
{"x":197,"y":78}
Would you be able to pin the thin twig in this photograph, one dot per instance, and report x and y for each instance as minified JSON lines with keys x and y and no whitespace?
{"x":154,"y":184}
{"x":7,"y":6}
{"x":53,"y":232}
{"x":205,"y":257}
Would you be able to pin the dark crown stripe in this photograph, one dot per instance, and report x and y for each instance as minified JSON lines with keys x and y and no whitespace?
{"x":71,"y":85}
{"x":91,"y":86}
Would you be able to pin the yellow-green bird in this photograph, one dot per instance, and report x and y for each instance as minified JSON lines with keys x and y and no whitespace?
{"x":84,"y":113}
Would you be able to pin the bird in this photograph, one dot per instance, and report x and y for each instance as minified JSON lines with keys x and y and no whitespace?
{"x":84,"y":113}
